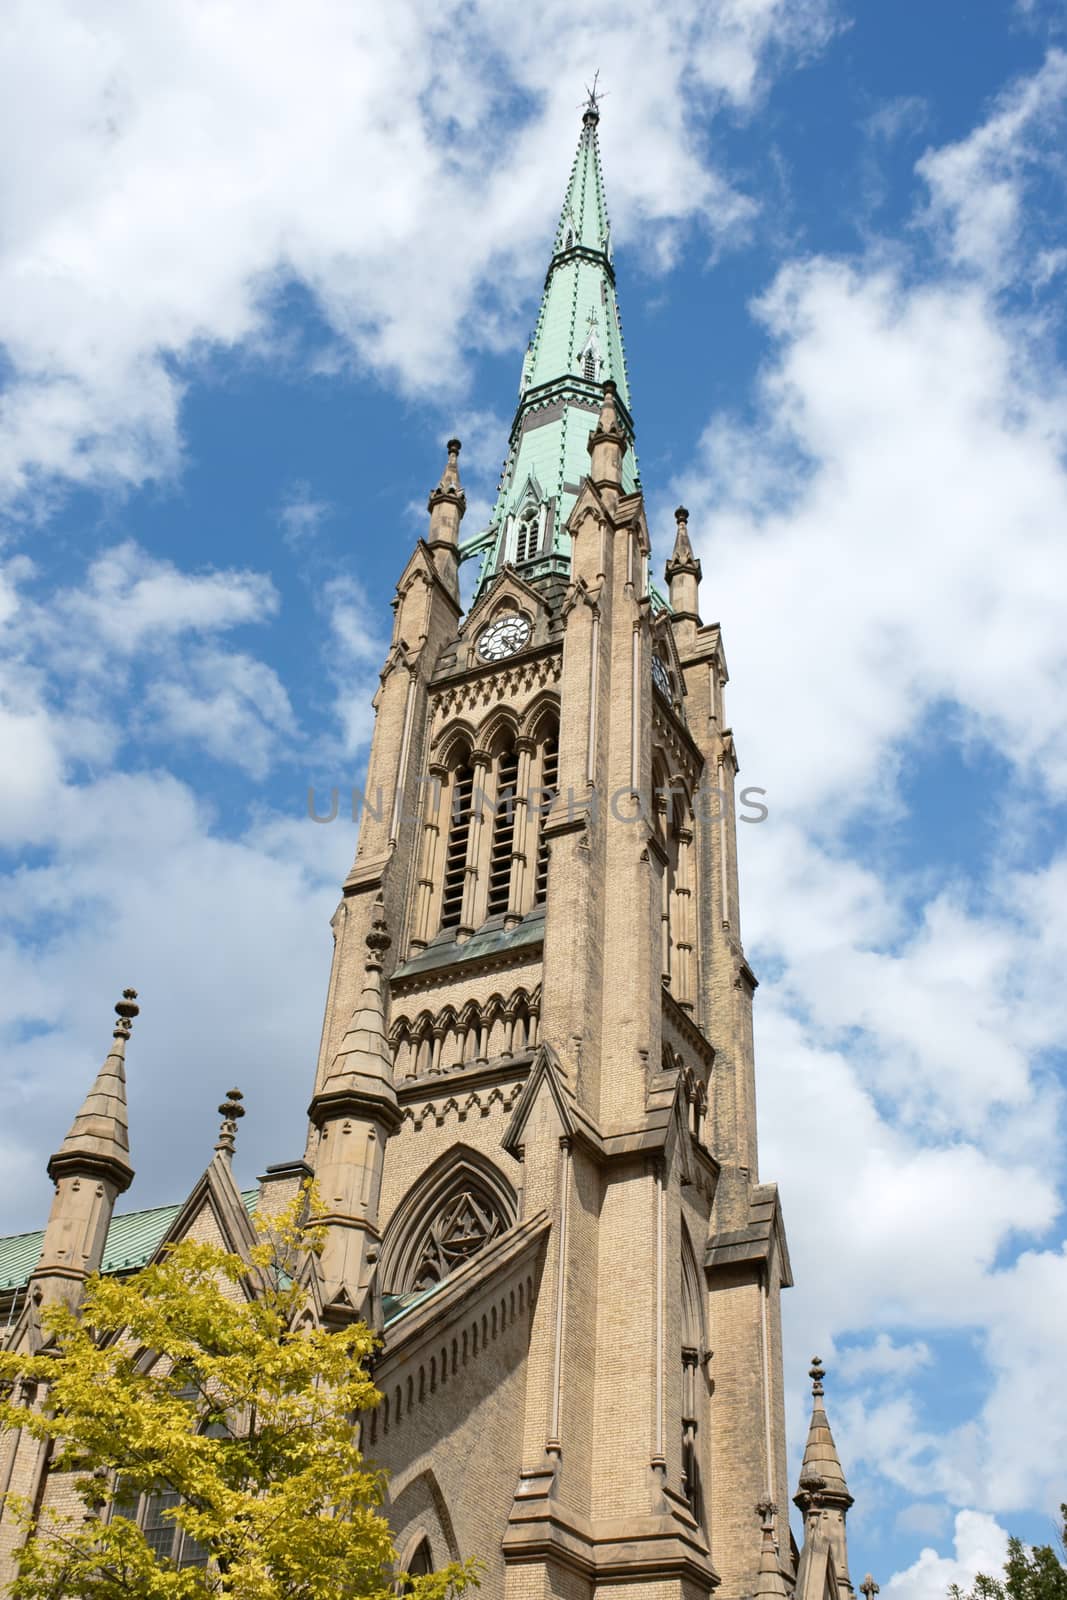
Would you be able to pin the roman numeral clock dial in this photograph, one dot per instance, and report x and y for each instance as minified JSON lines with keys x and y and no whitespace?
{"x":503,"y":636}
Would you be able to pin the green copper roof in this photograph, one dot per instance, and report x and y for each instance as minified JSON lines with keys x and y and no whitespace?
{"x":576,"y":347}
{"x":132,"y":1241}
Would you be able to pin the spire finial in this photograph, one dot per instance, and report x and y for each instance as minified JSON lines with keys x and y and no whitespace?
{"x":591,"y":109}
{"x":816,"y":1373}
{"x":127,"y":1008}
{"x":869,"y":1587}
{"x":231,"y":1110}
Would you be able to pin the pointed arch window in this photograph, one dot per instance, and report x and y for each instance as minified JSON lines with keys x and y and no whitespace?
{"x":446,"y":1219}
{"x":589,"y":365}
{"x":420,"y":1565}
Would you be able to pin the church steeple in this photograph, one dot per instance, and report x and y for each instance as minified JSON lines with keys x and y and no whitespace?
{"x":575,"y":349}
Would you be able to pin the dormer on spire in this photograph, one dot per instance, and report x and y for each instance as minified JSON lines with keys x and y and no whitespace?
{"x":90,"y":1170}
{"x":446,"y":506}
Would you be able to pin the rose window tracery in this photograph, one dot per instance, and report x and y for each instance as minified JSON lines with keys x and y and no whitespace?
{"x":464,"y":1225}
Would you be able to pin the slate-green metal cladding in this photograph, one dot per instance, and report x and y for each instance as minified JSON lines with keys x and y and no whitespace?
{"x":558,"y":399}
{"x":132,"y":1241}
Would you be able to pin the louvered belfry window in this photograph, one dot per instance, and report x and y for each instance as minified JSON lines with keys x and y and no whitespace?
{"x":456,"y":849}
{"x":503,"y":833}
{"x":549,"y":787}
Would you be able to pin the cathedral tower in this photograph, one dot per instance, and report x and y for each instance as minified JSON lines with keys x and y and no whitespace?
{"x":548,"y":1174}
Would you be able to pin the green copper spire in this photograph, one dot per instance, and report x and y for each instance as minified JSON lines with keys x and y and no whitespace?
{"x":576,"y":346}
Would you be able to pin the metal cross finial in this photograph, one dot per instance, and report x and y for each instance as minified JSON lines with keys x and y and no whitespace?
{"x":592,"y":104}
{"x":231,"y":1110}
{"x":869,"y":1587}
{"x":816,"y":1373}
{"x":127,"y":1008}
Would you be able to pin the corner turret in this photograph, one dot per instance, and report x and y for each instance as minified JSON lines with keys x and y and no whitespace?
{"x":90,"y":1170}
{"x":683,"y":573}
{"x":354,"y":1112}
{"x":446,"y":506}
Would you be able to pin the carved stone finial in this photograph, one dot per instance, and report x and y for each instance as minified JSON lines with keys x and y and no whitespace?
{"x":766,"y":1510}
{"x":816,"y":1373}
{"x":869,"y":1587}
{"x":449,"y":486}
{"x":681,"y":515}
{"x":378,"y":940}
{"x":231,"y":1110}
{"x":127,"y":1008}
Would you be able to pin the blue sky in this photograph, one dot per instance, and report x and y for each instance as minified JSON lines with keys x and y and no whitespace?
{"x":256,"y":266}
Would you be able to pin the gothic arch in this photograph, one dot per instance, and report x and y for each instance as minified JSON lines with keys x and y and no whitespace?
{"x":541,"y":715}
{"x":417,"y":1505}
{"x":500,"y":727}
{"x":459,"y":1204}
{"x":454,"y":743}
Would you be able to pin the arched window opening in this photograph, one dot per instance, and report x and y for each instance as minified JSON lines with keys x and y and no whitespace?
{"x":420,"y":1565}
{"x":590,"y":366}
{"x":500,"y":860}
{"x":456,"y":851}
{"x":450,"y":1214}
{"x":549,"y":790}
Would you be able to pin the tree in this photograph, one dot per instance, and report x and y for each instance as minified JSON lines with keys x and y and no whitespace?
{"x":209,"y":1431}
{"x":1029,"y":1574}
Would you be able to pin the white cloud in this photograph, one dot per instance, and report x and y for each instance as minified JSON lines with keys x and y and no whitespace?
{"x":978,"y":185}
{"x":167,"y":170}
{"x":228,"y":703}
{"x":132,"y":600}
{"x":882,"y":1358}
{"x":981,"y":1545}
{"x":301,"y":514}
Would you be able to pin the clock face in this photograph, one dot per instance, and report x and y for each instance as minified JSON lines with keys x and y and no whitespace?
{"x":503,"y":636}
{"x":662,"y":679}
